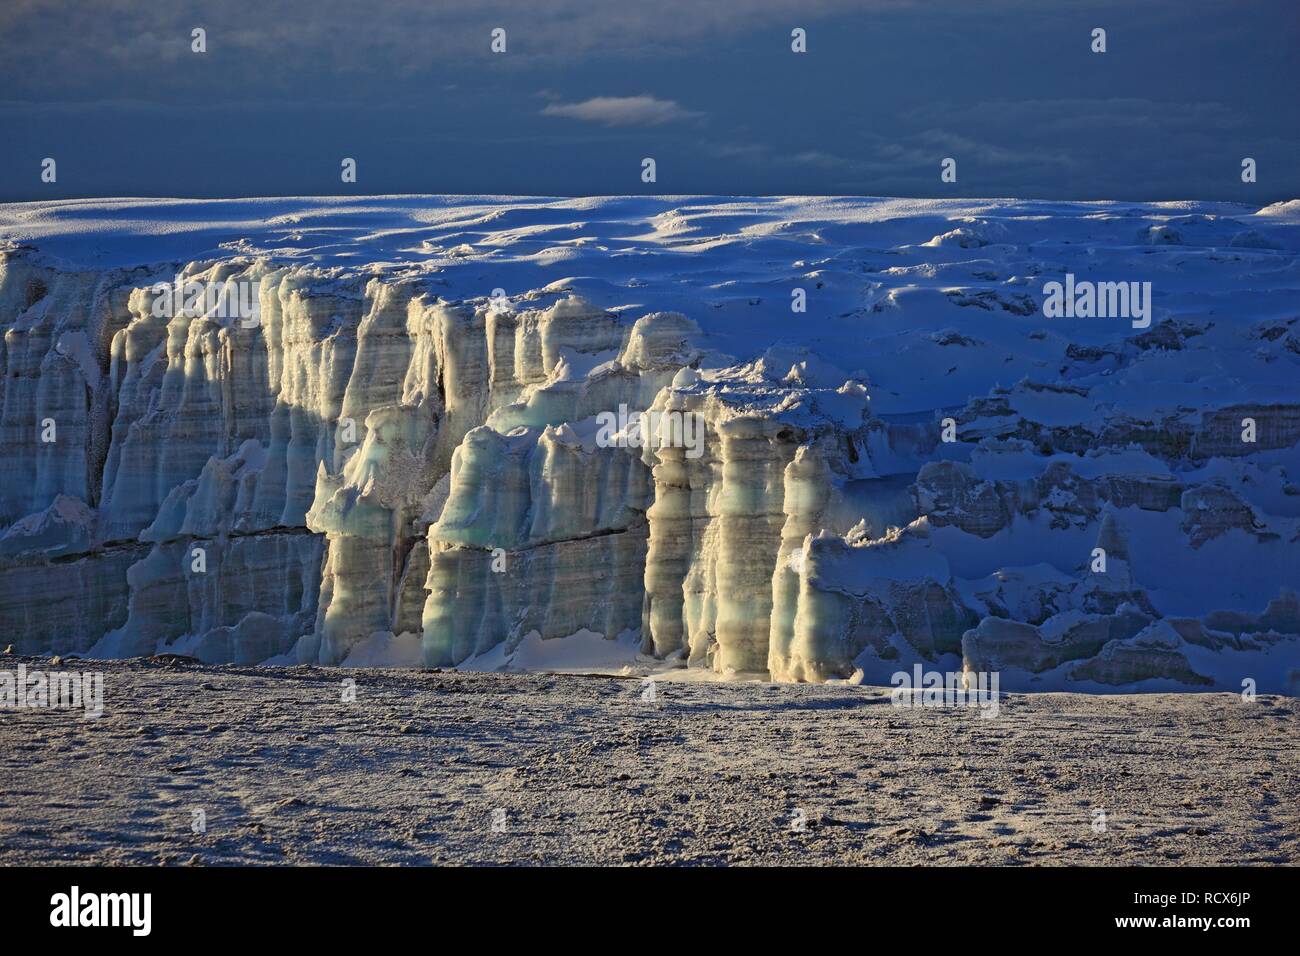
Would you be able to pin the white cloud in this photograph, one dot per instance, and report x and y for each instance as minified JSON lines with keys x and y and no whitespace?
{"x":641,"y":110}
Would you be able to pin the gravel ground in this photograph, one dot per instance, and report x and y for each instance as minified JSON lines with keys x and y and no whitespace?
{"x":439,"y":767}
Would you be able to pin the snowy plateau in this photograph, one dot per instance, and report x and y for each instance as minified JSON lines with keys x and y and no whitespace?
{"x":902,"y":457}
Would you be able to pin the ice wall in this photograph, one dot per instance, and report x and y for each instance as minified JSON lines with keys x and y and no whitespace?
{"x":379,"y":461}
{"x":292,"y":487}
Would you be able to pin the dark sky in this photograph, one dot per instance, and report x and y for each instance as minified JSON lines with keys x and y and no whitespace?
{"x":709,"y":88}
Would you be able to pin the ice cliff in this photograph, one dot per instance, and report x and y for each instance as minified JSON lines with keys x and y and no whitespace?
{"x":797,"y":438}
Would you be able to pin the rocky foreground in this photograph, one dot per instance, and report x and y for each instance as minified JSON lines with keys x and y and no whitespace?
{"x":275,"y":765}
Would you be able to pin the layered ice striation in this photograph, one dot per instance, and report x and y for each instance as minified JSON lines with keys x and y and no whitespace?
{"x":802,"y":439}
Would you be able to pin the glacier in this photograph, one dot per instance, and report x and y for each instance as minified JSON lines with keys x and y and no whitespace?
{"x":403,"y":456}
